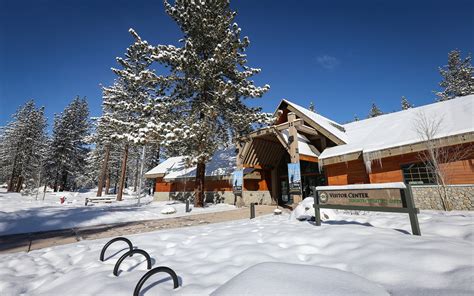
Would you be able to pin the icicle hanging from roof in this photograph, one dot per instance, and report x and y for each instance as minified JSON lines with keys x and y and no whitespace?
{"x":370,"y":158}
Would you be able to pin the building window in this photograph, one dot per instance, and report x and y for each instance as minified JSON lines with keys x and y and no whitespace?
{"x":418,"y":174}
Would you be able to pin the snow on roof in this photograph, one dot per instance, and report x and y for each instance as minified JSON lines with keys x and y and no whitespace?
{"x":223,"y":163}
{"x":163,"y":167}
{"x":399,"y":128}
{"x":331,"y":126}
{"x":303,"y":144}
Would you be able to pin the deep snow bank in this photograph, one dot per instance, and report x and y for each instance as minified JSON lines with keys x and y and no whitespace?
{"x":271,"y":278}
{"x":375,"y":246}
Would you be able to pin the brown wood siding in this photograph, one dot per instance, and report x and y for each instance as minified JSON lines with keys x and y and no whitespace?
{"x":461,"y":172}
{"x":308,"y":158}
{"x":214,"y":185}
{"x":353,"y":172}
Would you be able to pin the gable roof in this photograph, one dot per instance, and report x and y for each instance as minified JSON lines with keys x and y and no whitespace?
{"x":304,"y":145}
{"x":329,"y":128}
{"x":389,"y":130}
{"x":223,"y":163}
{"x":399,"y":128}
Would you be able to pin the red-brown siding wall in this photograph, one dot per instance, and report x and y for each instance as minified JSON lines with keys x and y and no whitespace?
{"x":214,"y":185}
{"x":353,"y":172}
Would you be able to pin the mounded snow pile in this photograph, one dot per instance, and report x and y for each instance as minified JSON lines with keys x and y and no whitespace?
{"x":273,"y":278}
{"x":168,"y":210}
{"x":277,"y":212}
{"x":305,"y":211}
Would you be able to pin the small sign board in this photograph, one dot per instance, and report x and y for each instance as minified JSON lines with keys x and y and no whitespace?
{"x":237,"y":181}
{"x":362,"y":197}
{"x":294,"y":178}
{"x":385,"y":197}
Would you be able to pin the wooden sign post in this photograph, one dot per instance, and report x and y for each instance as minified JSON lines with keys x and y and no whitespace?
{"x":384,"y":197}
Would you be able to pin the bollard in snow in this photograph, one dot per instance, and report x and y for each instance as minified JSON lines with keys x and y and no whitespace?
{"x":187,"y":205}
{"x":252,"y":210}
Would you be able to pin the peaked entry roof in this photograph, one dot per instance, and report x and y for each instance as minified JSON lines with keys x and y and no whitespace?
{"x":391,"y":130}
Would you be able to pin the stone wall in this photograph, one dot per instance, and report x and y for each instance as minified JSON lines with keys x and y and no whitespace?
{"x":260,"y":197}
{"x":427,"y":197}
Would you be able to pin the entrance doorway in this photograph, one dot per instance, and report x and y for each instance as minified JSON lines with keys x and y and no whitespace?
{"x":310,"y":176}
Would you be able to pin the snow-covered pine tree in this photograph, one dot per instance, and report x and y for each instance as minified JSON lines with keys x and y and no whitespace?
{"x":213,"y":79}
{"x":458,"y":77}
{"x":22,"y":148}
{"x":68,"y":151}
{"x":137,"y":104}
{"x":405,"y":103}
{"x":374,"y":111}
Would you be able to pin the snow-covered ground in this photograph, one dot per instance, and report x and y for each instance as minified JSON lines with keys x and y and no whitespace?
{"x":374,"y":246}
{"x":22,"y":214}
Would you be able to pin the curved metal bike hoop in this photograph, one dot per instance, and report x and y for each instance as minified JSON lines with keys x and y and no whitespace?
{"x":130,"y":253}
{"x":152,"y":272}
{"x":102,"y":253}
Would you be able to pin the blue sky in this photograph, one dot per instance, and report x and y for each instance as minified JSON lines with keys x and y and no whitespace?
{"x":342,"y":55}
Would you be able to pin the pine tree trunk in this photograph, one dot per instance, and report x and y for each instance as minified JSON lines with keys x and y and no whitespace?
{"x":44,"y":190}
{"x":64,"y":182}
{"x":12,"y":178}
{"x":104,"y":170}
{"x":135,"y":182}
{"x":199,"y":187}
{"x":56,"y":181}
{"x":107,"y":182}
{"x":123,"y":173}
{"x":18,"y":185}
{"x":10,"y":184}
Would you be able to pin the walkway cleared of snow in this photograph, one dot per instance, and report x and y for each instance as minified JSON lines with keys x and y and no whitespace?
{"x":375,"y":246}
{"x":23,"y":214}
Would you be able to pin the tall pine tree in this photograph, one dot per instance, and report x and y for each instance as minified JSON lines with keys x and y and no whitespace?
{"x":212,"y":79}
{"x":22,"y":146}
{"x":66,"y":160}
{"x":136,"y":104}
{"x":458,"y":77}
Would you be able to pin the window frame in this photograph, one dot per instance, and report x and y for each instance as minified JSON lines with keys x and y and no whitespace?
{"x":418,"y":174}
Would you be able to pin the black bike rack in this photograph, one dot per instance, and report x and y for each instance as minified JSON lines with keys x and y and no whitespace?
{"x":152,"y":272}
{"x":130,"y":253}
{"x":102,"y":253}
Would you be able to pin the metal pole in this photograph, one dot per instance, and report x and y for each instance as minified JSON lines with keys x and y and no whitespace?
{"x":141,"y":173}
{"x":317,"y":214}
{"x":252,"y":210}
{"x":415,"y":226}
{"x":187,"y":205}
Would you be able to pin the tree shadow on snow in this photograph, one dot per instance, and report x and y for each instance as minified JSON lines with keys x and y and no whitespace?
{"x":51,"y":218}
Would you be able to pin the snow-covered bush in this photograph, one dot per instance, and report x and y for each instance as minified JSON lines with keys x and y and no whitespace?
{"x":305,"y":211}
{"x":168,"y":210}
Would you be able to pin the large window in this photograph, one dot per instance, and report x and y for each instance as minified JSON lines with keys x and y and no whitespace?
{"x":418,"y":174}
